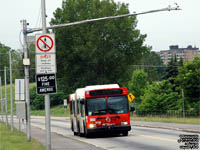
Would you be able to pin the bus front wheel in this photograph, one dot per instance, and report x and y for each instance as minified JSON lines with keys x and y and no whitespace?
{"x":125,"y":133}
{"x":85,"y":133}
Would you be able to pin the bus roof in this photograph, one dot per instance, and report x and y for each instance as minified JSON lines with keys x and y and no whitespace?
{"x":98,"y":87}
{"x":72,"y":97}
{"x":80,"y":93}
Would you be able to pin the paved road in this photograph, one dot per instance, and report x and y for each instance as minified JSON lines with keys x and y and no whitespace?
{"x":141,"y":137}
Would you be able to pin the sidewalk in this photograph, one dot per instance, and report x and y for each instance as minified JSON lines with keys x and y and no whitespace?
{"x":59,"y":142}
{"x":172,"y":126}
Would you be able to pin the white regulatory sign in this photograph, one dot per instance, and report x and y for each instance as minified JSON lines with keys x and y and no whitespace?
{"x":19,"y":89}
{"x":45,"y":43}
{"x":45,"y":63}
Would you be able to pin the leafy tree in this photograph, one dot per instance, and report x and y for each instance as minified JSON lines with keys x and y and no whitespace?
{"x":17,"y":65}
{"x":4,"y":59}
{"x":153,"y":66}
{"x":32,"y":59}
{"x":189,"y":79}
{"x":98,"y":52}
{"x":137,"y":84}
{"x":160,"y":97}
{"x":172,"y":69}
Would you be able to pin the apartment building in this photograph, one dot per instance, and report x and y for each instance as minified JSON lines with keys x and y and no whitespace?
{"x":186,"y":54}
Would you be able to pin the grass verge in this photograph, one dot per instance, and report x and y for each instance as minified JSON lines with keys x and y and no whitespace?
{"x":57,"y":111}
{"x":16,"y":141}
{"x":168,"y":120}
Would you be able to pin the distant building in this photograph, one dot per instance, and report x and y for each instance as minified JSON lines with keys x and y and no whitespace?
{"x":185,"y":53}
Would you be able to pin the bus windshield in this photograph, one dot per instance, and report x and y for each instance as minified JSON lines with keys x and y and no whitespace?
{"x":96,"y":106}
{"x":115,"y":105}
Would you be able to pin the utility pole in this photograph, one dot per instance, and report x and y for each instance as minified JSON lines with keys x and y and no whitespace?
{"x":183,"y":104}
{"x":47,"y":97}
{"x":5,"y":99}
{"x":11,"y":92}
{"x":1,"y":92}
{"x":26,"y":62}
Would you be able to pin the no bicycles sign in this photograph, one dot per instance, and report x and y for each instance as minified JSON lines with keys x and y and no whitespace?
{"x":45,"y":43}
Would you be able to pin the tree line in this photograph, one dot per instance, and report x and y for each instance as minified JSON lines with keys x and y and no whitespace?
{"x":179,"y":90}
{"x":106,"y":52}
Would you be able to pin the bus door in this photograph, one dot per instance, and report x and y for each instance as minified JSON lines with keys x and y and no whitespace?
{"x":82,"y":115}
{"x":74,"y":117}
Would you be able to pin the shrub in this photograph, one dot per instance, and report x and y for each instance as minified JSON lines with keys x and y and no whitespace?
{"x":38,"y":101}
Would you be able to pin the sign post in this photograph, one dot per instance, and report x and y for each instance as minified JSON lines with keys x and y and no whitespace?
{"x":46,"y":70}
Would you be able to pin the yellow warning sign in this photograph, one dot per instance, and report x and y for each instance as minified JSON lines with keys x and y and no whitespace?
{"x":131,"y":97}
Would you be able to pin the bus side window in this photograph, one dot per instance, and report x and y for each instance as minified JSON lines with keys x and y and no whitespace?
{"x":82,"y":109}
{"x":73,"y":107}
{"x":77,"y":106}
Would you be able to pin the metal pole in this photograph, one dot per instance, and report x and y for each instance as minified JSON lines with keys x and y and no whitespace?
{"x":6,"y":107}
{"x":27,"y":67}
{"x":20,"y":128}
{"x":169,"y":8}
{"x":11,"y":92}
{"x":47,"y":97}
{"x":1,"y":99}
{"x":183,"y":105}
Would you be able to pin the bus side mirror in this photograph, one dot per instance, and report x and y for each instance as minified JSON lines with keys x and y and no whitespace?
{"x":82,"y":101}
{"x":132,"y":108}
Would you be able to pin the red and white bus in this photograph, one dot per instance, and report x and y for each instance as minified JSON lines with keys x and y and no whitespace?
{"x":100,"y":109}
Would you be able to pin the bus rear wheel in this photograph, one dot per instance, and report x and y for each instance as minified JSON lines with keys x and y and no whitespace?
{"x":75,"y":133}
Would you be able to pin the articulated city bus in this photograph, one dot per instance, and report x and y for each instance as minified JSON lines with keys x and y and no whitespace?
{"x":100,"y":109}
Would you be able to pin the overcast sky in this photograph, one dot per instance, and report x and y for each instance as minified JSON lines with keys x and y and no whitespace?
{"x":163,"y":29}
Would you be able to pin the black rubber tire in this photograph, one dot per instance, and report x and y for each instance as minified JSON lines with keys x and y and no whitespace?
{"x":125,"y":133}
{"x":75,"y":133}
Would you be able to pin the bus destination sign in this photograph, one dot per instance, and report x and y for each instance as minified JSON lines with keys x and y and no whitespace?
{"x":46,"y":83}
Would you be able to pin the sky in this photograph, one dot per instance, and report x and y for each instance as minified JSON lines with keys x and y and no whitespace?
{"x":163,"y":28}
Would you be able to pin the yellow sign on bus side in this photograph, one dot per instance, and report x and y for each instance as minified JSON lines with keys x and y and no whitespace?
{"x":131,"y":97}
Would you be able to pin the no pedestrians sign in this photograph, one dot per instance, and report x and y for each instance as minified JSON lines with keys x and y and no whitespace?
{"x":45,"y":43}
{"x":45,"y":54}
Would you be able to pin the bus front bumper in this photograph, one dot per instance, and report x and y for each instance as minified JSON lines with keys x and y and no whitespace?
{"x":109,"y":129}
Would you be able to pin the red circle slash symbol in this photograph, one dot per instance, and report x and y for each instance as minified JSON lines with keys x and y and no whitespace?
{"x":45,"y":46}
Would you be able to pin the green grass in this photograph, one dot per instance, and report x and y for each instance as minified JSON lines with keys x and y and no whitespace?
{"x":57,"y":111}
{"x":168,"y":120}
{"x":16,"y":141}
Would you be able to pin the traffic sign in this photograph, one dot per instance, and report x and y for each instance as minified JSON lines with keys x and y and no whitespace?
{"x":19,"y":89}
{"x":45,"y":43}
{"x":46,"y":83}
{"x":45,"y":54}
{"x":131,"y":97}
{"x":45,"y":63}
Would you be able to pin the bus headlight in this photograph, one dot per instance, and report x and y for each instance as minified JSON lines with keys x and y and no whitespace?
{"x":92,"y":125}
{"x":124,"y":123}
